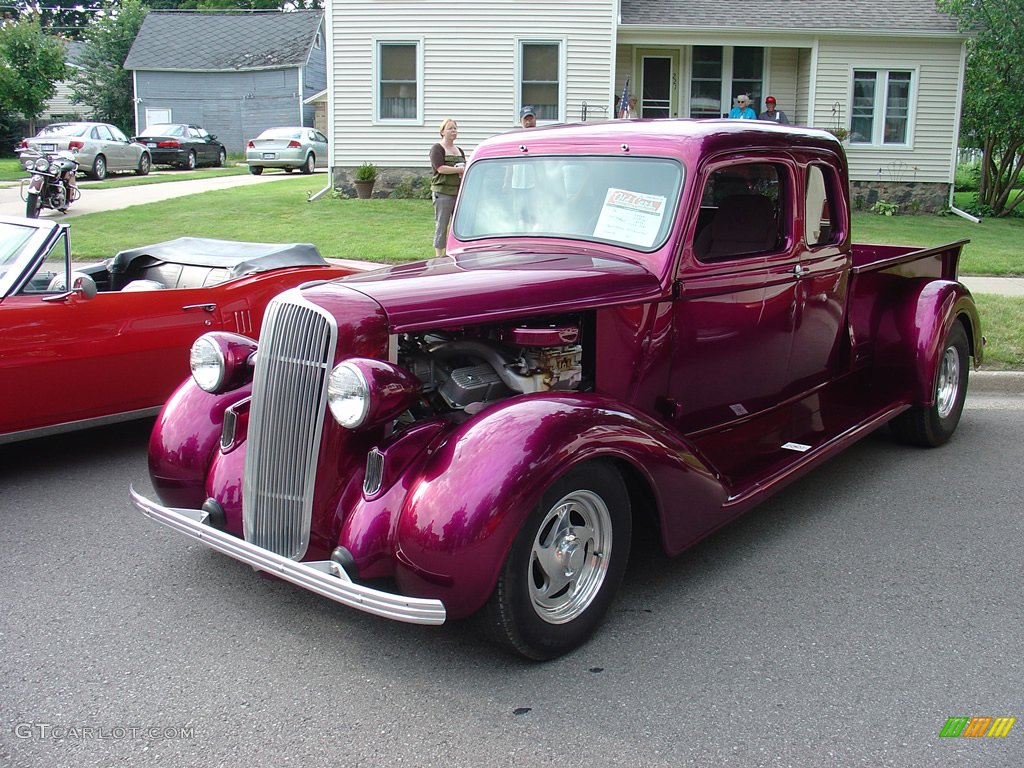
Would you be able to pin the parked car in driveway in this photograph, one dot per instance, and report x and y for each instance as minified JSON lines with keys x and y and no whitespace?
{"x":288,"y":148}
{"x":108,"y":342}
{"x":100,"y":148}
{"x":181,"y":145}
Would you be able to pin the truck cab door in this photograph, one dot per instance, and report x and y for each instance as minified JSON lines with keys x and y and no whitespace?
{"x":733,"y":317}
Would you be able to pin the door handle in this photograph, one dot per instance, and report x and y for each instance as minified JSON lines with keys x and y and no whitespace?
{"x":800,"y":271}
{"x":204,"y":307}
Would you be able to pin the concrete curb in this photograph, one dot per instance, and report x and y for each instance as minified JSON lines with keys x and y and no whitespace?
{"x":996,"y":383}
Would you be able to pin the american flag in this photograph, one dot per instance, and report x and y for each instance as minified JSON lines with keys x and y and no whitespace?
{"x":624,"y":101}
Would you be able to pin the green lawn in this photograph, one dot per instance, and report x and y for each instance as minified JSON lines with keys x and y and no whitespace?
{"x":11,"y":171}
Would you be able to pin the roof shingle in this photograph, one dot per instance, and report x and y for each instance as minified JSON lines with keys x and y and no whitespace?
{"x":913,"y":17}
{"x":212,"y":42}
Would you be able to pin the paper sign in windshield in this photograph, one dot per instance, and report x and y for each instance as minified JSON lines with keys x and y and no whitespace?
{"x":630,"y":217}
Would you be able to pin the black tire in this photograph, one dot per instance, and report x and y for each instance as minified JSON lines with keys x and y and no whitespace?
{"x":931,"y":426}
{"x":145,"y":163}
{"x":222,"y":157}
{"x":255,"y":170}
{"x":99,"y":168}
{"x":310,"y":165}
{"x":190,"y":161}
{"x":32,"y":205}
{"x":565,"y":565}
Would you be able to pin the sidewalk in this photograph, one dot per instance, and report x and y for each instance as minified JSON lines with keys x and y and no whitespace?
{"x":1002,"y":286}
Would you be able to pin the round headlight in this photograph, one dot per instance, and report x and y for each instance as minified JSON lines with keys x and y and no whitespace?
{"x":207,"y":363}
{"x":42,"y":165}
{"x":348,"y":395}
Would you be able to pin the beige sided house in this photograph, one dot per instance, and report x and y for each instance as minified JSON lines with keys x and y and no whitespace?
{"x":887,"y":72}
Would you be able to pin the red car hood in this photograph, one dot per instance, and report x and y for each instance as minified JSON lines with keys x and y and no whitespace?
{"x":487,"y":286}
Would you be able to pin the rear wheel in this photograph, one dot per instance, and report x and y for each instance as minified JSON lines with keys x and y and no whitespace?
{"x":931,"y":426}
{"x":144,"y":165}
{"x":190,"y":161}
{"x":565,"y":565}
{"x":310,"y":165}
{"x":32,"y":205}
{"x":99,"y":168}
{"x":255,"y":170}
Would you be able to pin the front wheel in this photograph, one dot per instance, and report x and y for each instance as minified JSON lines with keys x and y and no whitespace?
{"x":222,"y":157}
{"x":255,"y":170}
{"x":565,"y":565}
{"x":32,"y":205}
{"x":931,"y":426}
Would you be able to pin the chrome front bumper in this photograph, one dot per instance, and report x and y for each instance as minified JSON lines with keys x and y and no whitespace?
{"x":325,"y":577}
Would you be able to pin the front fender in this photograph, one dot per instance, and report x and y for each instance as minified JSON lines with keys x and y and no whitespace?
{"x":183,"y":442}
{"x":475,"y":490}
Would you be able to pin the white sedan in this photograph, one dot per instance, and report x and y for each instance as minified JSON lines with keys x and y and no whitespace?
{"x":287,"y":148}
{"x":98,"y":147}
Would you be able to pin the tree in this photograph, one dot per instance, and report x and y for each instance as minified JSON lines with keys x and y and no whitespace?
{"x":101,"y":82}
{"x":993,"y":102}
{"x":67,"y":18}
{"x":31,"y":63}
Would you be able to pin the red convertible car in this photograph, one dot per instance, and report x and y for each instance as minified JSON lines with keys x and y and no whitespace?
{"x":84,"y":346}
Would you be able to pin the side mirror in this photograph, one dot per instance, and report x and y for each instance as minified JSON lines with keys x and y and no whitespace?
{"x":84,"y":286}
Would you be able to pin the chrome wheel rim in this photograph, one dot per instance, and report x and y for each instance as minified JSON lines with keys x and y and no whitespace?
{"x":948,"y":387}
{"x":569,"y":558}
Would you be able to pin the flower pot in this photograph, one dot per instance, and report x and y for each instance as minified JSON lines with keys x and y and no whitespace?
{"x":364,"y":189}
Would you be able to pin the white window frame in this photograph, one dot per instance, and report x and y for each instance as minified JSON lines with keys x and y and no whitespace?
{"x":881,"y":107}
{"x":378,"y":44}
{"x":562,"y":44}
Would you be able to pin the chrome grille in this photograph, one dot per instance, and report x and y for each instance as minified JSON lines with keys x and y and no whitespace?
{"x":374,"y":477}
{"x":289,"y":395}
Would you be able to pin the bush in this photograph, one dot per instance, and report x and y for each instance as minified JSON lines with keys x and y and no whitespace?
{"x":366,"y":172}
{"x":967,"y":177}
{"x":412,"y":187}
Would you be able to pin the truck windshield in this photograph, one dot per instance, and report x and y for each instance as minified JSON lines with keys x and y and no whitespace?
{"x":628,"y":201}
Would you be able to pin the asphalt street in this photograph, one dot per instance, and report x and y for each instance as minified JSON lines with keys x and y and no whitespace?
{"x":839,"y":624}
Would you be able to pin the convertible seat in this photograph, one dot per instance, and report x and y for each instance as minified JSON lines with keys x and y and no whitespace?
{"x":195,"y":262}
{"x":742,"y":224}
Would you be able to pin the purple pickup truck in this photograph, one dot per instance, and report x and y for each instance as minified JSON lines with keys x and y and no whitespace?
{"x":638,"y":323}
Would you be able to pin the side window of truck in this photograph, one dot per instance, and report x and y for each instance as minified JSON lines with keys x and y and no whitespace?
{"x":742,"y":211}
{"x":820,"y":225}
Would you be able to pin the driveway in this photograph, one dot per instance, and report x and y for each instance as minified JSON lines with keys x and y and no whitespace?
{"x":96,"y":200}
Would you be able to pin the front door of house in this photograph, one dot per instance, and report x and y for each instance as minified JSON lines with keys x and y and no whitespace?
{"x":658,"y":92}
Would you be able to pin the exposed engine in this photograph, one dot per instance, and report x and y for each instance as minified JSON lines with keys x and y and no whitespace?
{"x":465,"y":370}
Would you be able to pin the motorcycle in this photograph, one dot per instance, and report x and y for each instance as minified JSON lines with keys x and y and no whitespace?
{"x":52,"y":183}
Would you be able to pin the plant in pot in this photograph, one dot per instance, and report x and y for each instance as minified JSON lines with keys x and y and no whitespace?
{"x":366,"y":177}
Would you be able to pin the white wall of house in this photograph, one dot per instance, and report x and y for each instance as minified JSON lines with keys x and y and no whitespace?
{"x":467,"y":69}
{"x":936,"y":67}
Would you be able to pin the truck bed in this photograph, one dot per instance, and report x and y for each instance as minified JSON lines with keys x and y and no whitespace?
{"x":942,"y":261}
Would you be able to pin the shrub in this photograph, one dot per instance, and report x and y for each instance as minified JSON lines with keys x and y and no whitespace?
{"x":883,"y":208}
{"x":366,"y":172}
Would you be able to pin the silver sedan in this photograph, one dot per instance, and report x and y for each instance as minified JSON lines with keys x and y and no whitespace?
{"x":98,"y":147}
{"x":287,"y":148}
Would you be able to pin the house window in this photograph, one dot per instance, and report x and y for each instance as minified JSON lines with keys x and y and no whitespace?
{"x":539,"y":80}
{"x":880,"y":113}
{"x":398,"y":83}
{"x":720,"y":73}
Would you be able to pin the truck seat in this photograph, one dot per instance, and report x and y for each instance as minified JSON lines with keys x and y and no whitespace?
{"x":742,"y":224}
